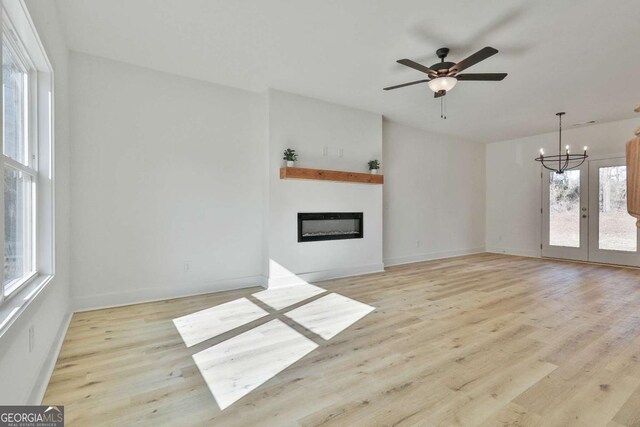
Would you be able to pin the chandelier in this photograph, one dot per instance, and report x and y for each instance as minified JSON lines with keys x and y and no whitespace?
{"x":561,"y":162}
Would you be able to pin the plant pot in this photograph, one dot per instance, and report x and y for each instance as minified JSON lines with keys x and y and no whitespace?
{"x":373,"y":171}
{"x":290,"y":163}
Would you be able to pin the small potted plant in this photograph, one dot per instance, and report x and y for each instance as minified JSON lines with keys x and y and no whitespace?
{"x":290,"y":156}
{"x":374,"y":165}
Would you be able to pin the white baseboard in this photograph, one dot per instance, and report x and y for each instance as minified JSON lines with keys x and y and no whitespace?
{"x":318,"y":276}
{"x":138,"y":296}
{"x":531,"y":253}
{"x":428,"y":256}
{"x":40,"y":387}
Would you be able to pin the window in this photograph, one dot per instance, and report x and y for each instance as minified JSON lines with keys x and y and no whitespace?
{"x":564,"y":209}
{"x":616,"y":228}
{"x":27,"y":220}
{"x":20,"y":174}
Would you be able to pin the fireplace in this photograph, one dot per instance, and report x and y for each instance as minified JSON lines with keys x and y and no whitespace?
{"x":329,"y":226}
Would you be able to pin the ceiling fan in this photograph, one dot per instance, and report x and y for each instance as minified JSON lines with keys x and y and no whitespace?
{"x":443,"y":76}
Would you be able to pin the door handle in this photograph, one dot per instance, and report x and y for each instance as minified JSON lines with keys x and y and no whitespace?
{"x":584,"y":215}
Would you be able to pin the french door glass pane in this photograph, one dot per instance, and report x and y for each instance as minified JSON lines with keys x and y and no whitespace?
{"x":15,"y":86}
{"x":18,"y":226}
{"x":564,"y":209}
{"x":616,"y":228}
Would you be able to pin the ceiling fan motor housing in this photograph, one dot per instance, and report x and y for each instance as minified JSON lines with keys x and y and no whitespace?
{"x":442,"y":67}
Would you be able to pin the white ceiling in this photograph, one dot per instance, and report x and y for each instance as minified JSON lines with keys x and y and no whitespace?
{"x":580,"y":56}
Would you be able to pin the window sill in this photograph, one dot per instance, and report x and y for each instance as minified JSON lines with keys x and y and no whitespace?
{"x":15,"y":286}
{"x":12,"y":308}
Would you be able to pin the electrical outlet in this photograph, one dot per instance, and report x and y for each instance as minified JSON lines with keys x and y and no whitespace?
{"x":32,"y":338}
{"x":417,"y":243}
{"x":325,"y":151}
{"x":341,"y":152}
{"x":187,"y":266}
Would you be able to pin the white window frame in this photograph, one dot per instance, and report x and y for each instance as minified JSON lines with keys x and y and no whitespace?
{"x":17,"y":48}
{"x":23,"y":39}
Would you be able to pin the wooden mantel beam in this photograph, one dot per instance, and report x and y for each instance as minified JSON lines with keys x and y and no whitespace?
{"x":330,"y":175}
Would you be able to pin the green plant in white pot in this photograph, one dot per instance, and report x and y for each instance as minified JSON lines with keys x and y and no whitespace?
{"x":290,"y":156}
{"x":374,"y":165}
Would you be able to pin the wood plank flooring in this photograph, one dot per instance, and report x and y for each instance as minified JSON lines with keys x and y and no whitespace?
{"x":484,"y":340}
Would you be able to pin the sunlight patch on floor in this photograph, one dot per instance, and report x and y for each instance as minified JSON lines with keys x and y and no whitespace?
{"x":235,"y":367}
{"x":280,"y":298}
{"x":238,"y":365}
{"x":205,"y":324}
{"x":329,"y":315}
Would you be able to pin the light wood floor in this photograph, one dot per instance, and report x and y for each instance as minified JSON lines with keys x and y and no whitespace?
{"x":477,"y":340}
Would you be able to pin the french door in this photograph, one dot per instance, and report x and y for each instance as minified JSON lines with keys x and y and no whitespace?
{"x":613,"y":235}
{"x":584,"y":214}
{"x":565,"y":204}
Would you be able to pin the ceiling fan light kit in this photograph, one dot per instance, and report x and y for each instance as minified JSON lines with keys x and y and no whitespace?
{"x":442,"y":83}
{"x":443,"y":76}
{"x":559,"y":163}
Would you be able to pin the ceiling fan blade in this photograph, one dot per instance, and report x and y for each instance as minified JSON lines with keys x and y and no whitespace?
{"x":405,"y":84}
{"x":416,"y":66}
{"x":480,"y":55}
{"x":440,"y":93}
{"x":482,"y":77}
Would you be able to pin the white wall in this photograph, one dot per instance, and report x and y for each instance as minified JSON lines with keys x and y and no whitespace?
{"x":434,"y":195}
{"x":307,"y":125}
{"x":514,"y":184}
{"x":165,"y":170}
{"x":23,"y":374}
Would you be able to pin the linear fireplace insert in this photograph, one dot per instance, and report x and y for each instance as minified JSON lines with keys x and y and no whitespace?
{"x":329,"y":226}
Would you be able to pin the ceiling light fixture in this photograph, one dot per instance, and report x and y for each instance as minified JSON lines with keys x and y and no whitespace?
{"x":561,"y":162}
{"x":442,"y":83}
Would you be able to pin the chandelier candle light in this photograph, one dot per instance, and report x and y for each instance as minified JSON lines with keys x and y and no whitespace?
{"x":561,"y":162}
